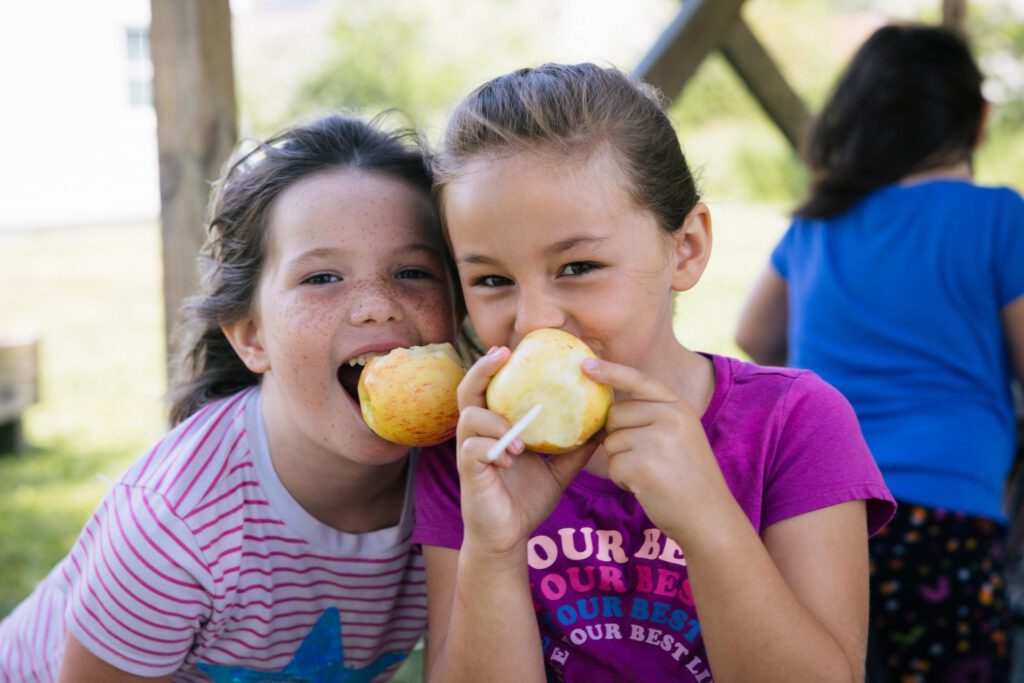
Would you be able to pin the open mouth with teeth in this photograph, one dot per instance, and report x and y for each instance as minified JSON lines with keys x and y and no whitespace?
{"x":349,"y":372}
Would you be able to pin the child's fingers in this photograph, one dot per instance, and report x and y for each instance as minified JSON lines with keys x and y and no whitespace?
{"x":474,"y":384}
{"x":480,"y":426}
{"x":628,"y":380}
{"x":565,"y":467}
{"x":475,"y":454}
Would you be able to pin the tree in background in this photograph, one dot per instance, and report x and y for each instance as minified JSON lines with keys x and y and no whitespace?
{"x":422,"y":57}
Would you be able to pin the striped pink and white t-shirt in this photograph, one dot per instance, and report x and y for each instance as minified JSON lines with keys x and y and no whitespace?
{"x":198,"y":561}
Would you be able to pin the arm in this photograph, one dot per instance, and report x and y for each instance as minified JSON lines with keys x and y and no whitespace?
{"x":1013,"y":327}
{"x":480,"y":609}
{"x":82,"y":666}
{"x":480,"y":618}
{"x":791,"y":606}
{"x":761,"y":332}
{"x":807,"y":580}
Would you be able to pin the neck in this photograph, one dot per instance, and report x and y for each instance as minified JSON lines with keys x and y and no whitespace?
{"x":961,"y":170}
{"x":347,"y":495}
{"x":363,"y":498}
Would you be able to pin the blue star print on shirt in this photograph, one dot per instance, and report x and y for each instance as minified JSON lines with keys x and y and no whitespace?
{"x":320,"y":659}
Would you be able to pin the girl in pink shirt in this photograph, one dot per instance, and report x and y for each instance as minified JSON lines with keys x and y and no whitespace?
{"x":718,"y":526}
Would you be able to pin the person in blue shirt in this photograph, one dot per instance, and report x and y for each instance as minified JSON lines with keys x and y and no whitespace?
{"x":901,"y":282}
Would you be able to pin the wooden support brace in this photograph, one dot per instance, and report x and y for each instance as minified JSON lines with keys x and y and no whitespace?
{"x":764,"y":80}
{"x":699,"y":28}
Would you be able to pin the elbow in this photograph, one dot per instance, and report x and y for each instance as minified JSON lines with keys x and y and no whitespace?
{"x":760,"y":350}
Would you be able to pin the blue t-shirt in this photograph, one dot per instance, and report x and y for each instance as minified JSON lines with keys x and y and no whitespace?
{"x":897,"y":304}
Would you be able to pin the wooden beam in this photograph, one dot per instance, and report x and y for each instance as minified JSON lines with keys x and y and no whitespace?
{"x":764,"y":80}
{"x":954,"y":15}
{"x":194,"y":92}
{"x":699,"y":28}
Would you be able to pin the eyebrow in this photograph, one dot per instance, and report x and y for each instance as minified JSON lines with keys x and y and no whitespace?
{"x":572,"y":242}
{"x":321,"y":252}
{"x":556,"y":248}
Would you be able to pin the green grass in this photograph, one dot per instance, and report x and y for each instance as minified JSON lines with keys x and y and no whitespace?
{"x":93,"y":296}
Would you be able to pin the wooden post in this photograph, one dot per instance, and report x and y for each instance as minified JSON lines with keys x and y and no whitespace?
{"x":954,"y":15}
{"x":698,"y":29}
{"x":194,"y":91}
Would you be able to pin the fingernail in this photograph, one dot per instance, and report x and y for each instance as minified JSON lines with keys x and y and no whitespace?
{"x":493,"y":351}
{"x":591,"y":364}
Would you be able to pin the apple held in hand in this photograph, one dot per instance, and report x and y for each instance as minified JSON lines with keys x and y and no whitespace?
{"x":408,"y":396}
{"x":545,"y":369}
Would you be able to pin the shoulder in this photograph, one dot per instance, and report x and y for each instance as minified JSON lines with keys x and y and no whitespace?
{"x":812,"y":452}
{"x":437,"y":499}
{"x":777,"y":385}
{"x":208,"y":450}
{"x":437,"y":468}
{"x":788,"y":410}
{"x":952,"y":193}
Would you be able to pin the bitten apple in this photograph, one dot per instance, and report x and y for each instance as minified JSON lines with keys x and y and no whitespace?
{"x":408,"y":396}
{"x":545,"y":368}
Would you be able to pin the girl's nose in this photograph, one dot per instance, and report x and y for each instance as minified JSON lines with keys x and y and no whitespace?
{"x":374,"y":302}
{"x":536,"y":310}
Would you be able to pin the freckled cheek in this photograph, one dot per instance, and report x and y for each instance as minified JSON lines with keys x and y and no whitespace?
{"x":433,"y":311}
{"x":300,"y":346}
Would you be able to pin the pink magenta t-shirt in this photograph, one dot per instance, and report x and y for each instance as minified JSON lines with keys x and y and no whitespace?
{"x":611,"y":591}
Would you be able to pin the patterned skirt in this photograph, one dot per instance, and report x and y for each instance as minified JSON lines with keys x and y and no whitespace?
{"x":938,"y":600}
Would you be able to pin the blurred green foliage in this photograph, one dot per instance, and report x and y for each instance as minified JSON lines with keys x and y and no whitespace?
{"x":422,"y":57}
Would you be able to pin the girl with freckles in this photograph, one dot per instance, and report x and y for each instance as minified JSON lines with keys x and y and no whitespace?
{"x":717,"y":528}
{"x":267,"y":536}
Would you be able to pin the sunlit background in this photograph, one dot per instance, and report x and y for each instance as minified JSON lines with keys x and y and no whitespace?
{"x":80,"y":265}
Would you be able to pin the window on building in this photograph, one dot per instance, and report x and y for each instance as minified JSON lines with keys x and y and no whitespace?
{"x":140,"y":67}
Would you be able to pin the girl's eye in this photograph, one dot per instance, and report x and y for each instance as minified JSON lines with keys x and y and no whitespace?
{"x":414,"y":274}
{"x":491,"y":281}
{"x":578,"y":268}
{"x":321,"y":279}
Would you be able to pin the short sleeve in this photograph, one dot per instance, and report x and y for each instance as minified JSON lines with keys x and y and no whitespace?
{"x":779,"y":258}
{"x":821,"y":458}
{"x":141,"y":591}
{"x":438,"y":513}
{"x":1009,"y":249}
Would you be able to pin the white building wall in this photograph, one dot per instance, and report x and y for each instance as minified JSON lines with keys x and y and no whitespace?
{"x":74,"y":151}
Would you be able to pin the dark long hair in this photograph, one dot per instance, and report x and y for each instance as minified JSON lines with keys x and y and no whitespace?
{"x":232,"y":257}
{"x":910,"y":100}
{"x":562,"y":108}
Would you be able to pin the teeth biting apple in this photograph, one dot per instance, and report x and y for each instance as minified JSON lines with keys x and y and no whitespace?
{"x":408,"y":396}
{"x":545,"y":368}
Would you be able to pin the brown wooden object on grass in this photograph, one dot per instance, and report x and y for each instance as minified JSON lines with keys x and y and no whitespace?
{"x":19,"y":385}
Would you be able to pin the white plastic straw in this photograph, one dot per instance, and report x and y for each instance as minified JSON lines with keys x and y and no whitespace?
{"x":495,"y":451}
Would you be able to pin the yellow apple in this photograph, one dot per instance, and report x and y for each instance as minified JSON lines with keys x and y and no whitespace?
{"x":545,"y":369}
{"x":408,"y":396}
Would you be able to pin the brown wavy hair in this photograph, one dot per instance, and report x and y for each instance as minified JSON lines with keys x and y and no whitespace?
{"x":231,"y":259}
{"x":910,"y":100}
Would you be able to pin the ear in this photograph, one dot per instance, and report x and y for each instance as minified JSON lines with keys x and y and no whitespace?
{"x":247,"y":342}
{"x":692,"y":244}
